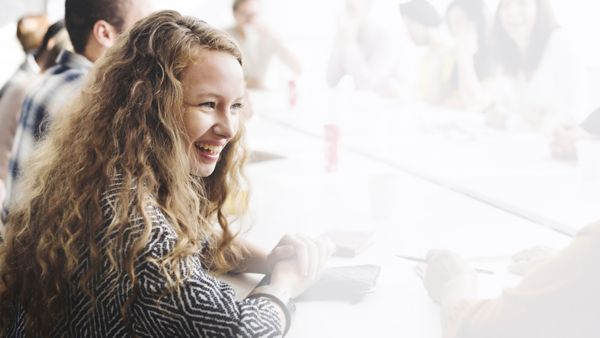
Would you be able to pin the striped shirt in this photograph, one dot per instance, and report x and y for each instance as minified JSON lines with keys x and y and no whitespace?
{"x":59,"y":86}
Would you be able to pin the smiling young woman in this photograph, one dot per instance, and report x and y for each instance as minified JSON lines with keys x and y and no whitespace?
{"x":122,"y":221}
{"x":213,"y":94}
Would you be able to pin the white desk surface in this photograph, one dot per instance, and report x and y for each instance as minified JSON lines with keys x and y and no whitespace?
{"x":512,"y":170}
{"x":409,"y":215}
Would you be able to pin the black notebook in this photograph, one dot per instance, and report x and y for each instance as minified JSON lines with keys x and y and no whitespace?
{"x":343,"y":283}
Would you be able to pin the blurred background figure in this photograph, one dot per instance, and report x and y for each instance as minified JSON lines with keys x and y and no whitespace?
{"x":367,"y":48}
{"x":470,"y":77}
{"x":424,"y":25}
{"x":564,"y":138}
{"x":93,"y":27}
{"x":542,"y":82}
{"x":259,"y":44}
{"x":30,"y":31}
{"x":558,"y":296}
{"x":55,"y":40}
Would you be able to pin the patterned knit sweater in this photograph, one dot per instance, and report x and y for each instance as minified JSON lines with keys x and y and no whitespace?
{"x":203,"y":307}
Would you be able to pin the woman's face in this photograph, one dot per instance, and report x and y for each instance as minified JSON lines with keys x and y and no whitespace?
{"x":247,"y":13}
{"x":417,"y":32}
{"x":518,"y":17}
{"x":213,"y":87}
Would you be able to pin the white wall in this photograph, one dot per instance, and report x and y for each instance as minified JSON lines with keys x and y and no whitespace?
{"x":307,"y":24}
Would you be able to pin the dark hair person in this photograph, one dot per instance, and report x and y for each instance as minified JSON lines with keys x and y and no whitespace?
{"x":513,"y":53}
{"x":474,"y":65}
{"x":542,"y":83}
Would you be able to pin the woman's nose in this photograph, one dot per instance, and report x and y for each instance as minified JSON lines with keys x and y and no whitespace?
{"x":226,"y":124}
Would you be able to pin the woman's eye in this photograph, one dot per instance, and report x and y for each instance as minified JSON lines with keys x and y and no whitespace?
{"x":210,"y":105}
{"x":237,"y":106}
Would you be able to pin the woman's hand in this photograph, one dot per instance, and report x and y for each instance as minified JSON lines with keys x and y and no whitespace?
{"x":563,"y":140}
{"x":526,"y":260}
{"x":496,"y":119}
{"x":282,"y":251}
{"x":466,"y":45}
{"x":449,"y":278}
{"x":298,"y":262}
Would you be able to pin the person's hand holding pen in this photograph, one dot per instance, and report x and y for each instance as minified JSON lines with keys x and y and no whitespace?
{"x":449,"y":279}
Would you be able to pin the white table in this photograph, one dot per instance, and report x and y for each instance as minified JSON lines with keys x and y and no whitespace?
{"x":411,"y":215}
{"x":510,"y":170}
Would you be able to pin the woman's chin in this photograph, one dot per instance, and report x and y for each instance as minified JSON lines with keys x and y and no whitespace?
{"x":203,"y":169}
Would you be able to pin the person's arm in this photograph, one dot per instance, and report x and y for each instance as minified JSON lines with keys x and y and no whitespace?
{"x":10,"y":112}
{"x":200,"y":305}
{"x":335,"y":67}
{"x":473,"y":93}
{"x":279,"y":47}
{"x":563,"y":140}
{"x":568,"y":78}
{"x":255,"y":260}
{"x":259,"y":260}
{"x":450,"y":281}
{"x":373,"y":71}
{"x":559,"y":298}
{"x":286,"y":55}
{"x":591,"y":124}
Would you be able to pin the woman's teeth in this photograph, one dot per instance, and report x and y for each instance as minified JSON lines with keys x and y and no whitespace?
{"x":208,"y":148}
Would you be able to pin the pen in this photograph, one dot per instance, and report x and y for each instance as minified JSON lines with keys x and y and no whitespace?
{"x":423,"y":260}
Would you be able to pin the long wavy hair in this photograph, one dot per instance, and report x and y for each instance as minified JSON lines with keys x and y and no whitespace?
{"x":127,"y":123}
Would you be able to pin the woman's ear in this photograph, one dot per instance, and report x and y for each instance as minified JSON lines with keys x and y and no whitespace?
{"x":104,"y":33}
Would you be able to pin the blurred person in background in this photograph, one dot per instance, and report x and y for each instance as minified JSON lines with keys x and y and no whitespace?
{"x":541,"y":82}
{"x":564,"y":139}
{"x":366,"y":48}
{"x":424,"y":26}
{"x":55,"y":40}
{"x":93,"y":27}
{"x":30,"y":32}
{"x":259,"y":44}
{"x":469,"y":82}
{"x":557,"y":297}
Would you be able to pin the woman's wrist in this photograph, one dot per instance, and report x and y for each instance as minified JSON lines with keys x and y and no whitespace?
{"x":281,"y":298}
{"x":255,"y":260}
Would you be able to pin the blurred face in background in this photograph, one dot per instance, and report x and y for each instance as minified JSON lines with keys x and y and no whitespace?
{"x":31,"y":30}
{"x":459,"y":23}
{"x":518,"y":18}
{"x":419,"y":33}
{"x":358,"y":9}
{"x":247,"y":13}
{"x":138,"y":10}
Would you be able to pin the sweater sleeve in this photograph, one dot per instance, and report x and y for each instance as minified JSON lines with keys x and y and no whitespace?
{"x":201,"y":306}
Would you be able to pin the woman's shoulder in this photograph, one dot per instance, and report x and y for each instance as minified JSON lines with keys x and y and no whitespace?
{"x":152,"y":212}
{"x":160,"y":223}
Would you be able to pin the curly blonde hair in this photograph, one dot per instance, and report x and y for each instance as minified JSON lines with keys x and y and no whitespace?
{"x":127,"y":123}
